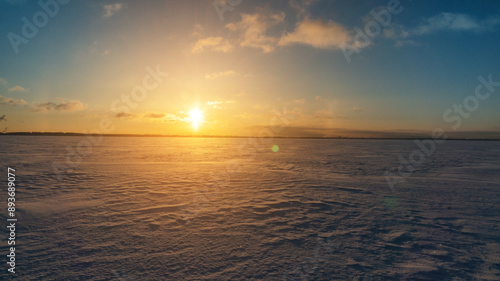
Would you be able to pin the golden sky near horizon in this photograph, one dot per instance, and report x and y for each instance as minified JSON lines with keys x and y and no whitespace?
{"x":189,"y":68}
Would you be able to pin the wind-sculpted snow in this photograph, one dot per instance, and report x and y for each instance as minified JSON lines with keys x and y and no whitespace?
{"x":139,"y":209}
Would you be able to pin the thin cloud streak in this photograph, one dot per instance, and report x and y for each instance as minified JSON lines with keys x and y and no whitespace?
{"x":62,"y":106}
{"x":111,"y":9}
{"x":11,"y":101}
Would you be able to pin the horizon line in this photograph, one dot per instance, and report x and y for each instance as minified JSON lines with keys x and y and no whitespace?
{"x":70,"y":134}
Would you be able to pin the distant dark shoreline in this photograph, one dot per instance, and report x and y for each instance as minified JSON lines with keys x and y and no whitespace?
{"x":60,"y":134}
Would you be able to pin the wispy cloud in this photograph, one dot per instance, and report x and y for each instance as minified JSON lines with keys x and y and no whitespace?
{"x":159,"y":117}
{"x":228,"y":73}
{"x":217,"y":44}
{"x":455,"y":22}
{"x":452,"y":22}
{"x":265,"y":30}
{"x":59,"y":105}
{"x":300,"y":101}
{"x":165,"y":117}
{"x":154,"y":115}
{"x":17,"y":89}
{"x":111,"y":9}
{"x":357,"y":109}
{"x":198,"y":30}
{"x":125,"y":115}
{"x":302,"y":6}
{"x":3,"y":81}
{"x":253,"y":29}
{"x":11,"y":101}
{"x":318,"y":34}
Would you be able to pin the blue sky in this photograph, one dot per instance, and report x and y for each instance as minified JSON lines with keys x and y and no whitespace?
{"x":260,"y":57}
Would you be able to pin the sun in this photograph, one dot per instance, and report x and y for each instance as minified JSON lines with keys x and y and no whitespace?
{"x":196,"y":117}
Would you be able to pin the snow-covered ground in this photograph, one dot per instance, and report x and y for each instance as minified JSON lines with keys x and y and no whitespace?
{"x":210,"y":209}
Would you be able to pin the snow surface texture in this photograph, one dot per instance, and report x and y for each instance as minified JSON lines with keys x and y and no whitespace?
{"x":162,"y":209}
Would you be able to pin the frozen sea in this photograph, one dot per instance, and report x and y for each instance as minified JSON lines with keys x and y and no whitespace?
{"x":147,"y":208}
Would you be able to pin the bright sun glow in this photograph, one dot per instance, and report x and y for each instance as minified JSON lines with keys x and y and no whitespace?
{"x":196,"y":117}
